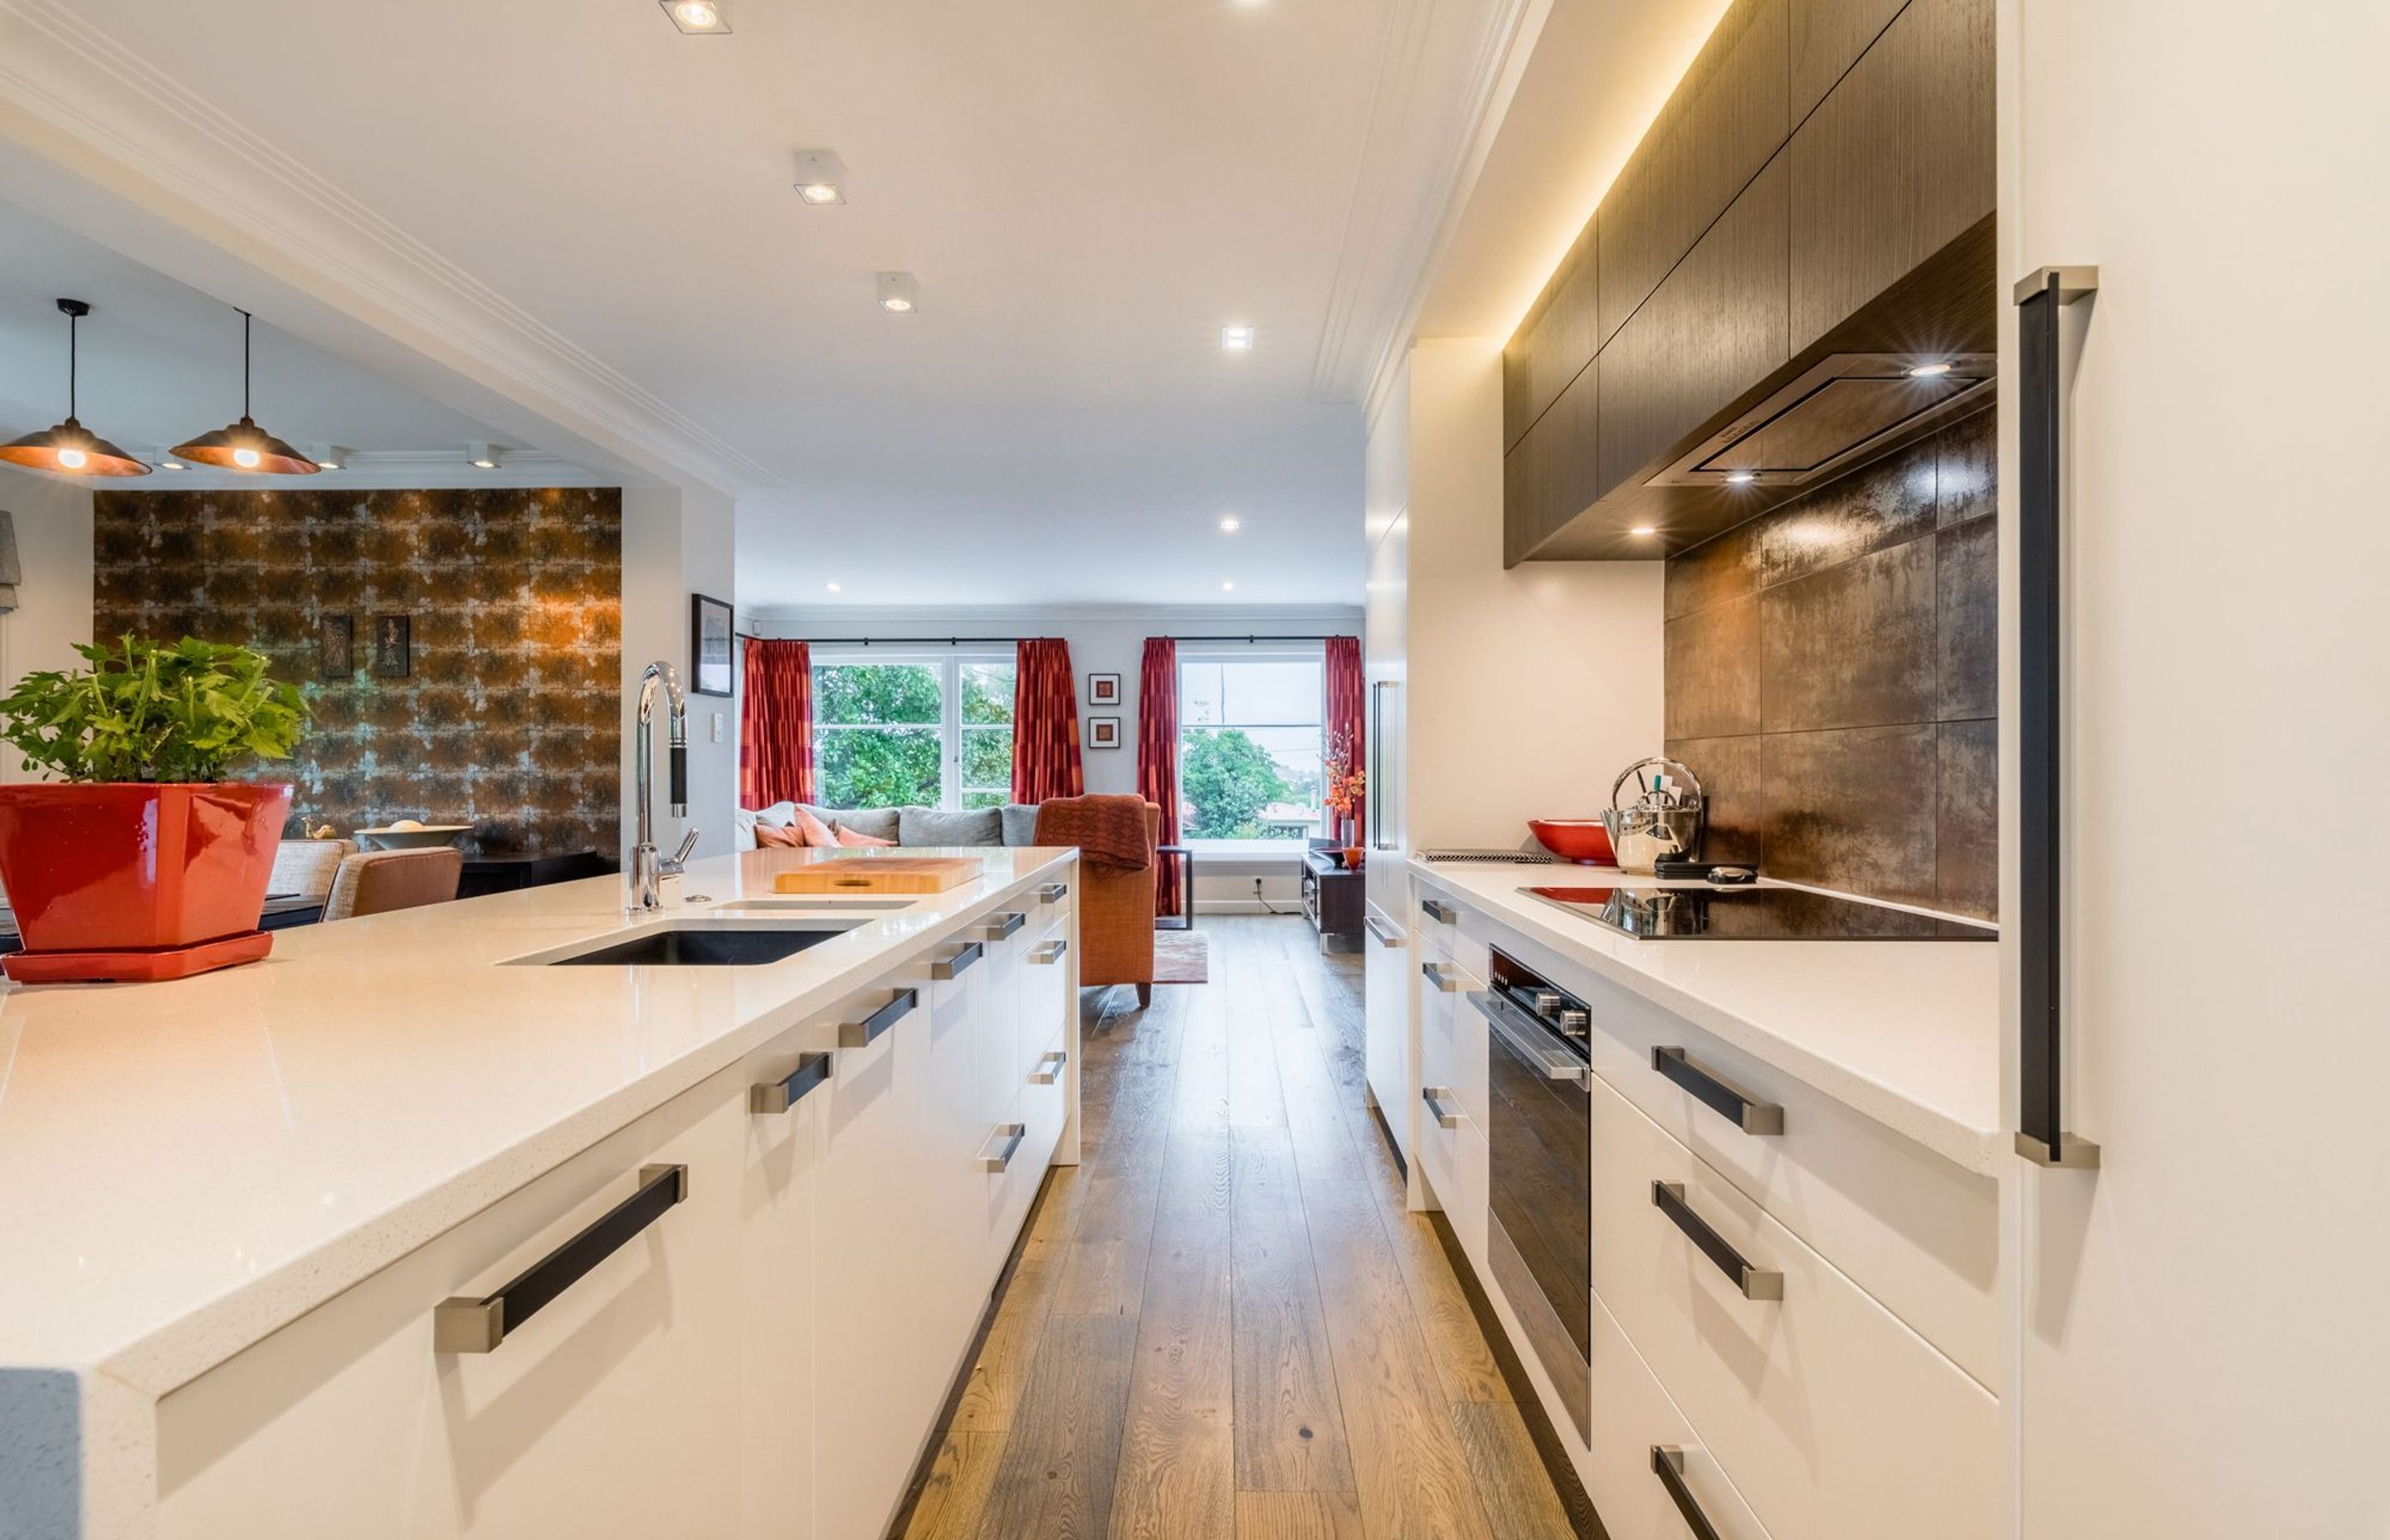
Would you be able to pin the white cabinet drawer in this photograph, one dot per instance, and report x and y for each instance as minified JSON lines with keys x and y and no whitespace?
{"x":1917,"y":1232}
{"x":1838,"y":1421}
{"x":613,"y":1411}
{"x":1456,"y":1161}
{"x":1631,"y":1416}
{"x":1452,"y":1036}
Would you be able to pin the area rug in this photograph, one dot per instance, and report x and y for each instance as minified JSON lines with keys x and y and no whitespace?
{"x":1181,"y":957}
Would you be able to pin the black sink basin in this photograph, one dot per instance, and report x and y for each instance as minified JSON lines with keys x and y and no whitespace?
{"x":706,"y":948}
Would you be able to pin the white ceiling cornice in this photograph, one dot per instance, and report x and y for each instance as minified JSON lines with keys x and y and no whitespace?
{"x":74,"y":96}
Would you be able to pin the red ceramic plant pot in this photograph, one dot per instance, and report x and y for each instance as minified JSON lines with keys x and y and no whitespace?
{"x":128,"y":881}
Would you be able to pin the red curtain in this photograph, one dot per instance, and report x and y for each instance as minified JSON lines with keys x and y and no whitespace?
{"x":775,"y":725}
{"x":1157,"y":756}
{"x":1346,"y":694}
{"x":1044,"y":723}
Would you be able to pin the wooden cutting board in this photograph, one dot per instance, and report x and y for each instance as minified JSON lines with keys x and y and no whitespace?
{"x":877,"y":873}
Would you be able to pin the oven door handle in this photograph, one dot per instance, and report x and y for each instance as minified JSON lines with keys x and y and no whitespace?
{"x":1549,"y":1060}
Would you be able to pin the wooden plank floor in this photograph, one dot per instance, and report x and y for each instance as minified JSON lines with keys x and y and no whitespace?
{"x":1225,"y":1326}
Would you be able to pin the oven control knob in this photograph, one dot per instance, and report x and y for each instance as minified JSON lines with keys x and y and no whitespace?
{"x":1576,"y":1021}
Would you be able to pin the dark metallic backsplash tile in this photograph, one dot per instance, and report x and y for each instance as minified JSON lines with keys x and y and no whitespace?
{"x":508,"y":720}
{"x":1712,"y":661}
{"x":1728,"y":771}
{"x":1967,"y":818}
{"x":1853,"y":809}
{"x":1874,"y":506}
{"x":1967,"y":627}
{"x":1851,"y":647}
{"x":1967,"y":473}
{"x":1712,"y":573}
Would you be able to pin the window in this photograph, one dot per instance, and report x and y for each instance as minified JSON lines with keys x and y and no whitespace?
{"x":924,"y":732}
{"x":1250,"y":746}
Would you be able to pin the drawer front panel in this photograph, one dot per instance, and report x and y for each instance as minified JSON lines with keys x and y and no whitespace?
{"x":1631,"y":1415}
{"x":1455,"y":1160}
{"x":1918,"y":1233}
{"x":1839,"y":1422}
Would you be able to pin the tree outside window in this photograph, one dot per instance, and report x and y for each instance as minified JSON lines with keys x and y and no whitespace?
{"x":1250,"y":749}
{"x":922,"y":734}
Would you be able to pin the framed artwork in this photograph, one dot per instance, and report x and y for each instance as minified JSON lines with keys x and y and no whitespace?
{"x":1103,"y":732}
{"x":336,"y":647}
{"x":709,"y":645}
{"x":1103,"y":689}
{"x":393,"y":647}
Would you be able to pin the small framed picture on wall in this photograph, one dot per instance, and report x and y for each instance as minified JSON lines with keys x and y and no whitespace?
{"x":709,"y":645}
{"x":1103,"y":689}
{"x":336,"y":647}
{"x":393,"y":656}
{"x":1103,"y":732}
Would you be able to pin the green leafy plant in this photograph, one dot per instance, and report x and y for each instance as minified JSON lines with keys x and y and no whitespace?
{"x":149,"y":712}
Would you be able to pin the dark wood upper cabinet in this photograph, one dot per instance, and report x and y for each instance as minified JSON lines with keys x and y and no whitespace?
{"x":1894,"y":163}
{"x":1555,"y":466}
{"x":1711,"y":330}
{"x":1725,"y":120}
{"x":1554,"y":344}
{"x":1826,"y":38}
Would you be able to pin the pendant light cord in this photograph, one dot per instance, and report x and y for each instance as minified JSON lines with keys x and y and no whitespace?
{"x":245,"y":319}
{"x":72,"y":322}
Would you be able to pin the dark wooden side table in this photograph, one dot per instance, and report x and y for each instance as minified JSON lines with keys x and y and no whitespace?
{"x":1185,"y":921}
{"x":506,"y":871}
{"x":1332,"y":900}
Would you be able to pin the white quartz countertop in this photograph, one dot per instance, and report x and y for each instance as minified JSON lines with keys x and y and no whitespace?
{"x":187,"y":1166}
{"x":1906,"y":1032}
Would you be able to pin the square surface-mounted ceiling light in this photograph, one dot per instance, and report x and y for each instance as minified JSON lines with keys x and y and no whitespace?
{"x":896,"y":293}
{"x":699,"y":18}
{"x":821,"y":176}
{"x":1237,"y":339}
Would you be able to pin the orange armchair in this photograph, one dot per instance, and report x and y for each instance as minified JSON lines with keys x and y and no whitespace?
{"x":1116,"y":917}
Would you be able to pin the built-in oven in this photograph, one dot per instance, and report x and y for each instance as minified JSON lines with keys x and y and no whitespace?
{"x":1540,"y":1192}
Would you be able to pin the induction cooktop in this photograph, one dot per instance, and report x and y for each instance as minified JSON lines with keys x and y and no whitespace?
{"x":1752,"y":914}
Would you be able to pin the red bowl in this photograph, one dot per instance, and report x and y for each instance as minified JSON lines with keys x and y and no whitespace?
{"x":1583,"y":841}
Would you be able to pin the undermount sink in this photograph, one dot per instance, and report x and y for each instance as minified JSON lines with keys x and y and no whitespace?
{"x":707,"y":946}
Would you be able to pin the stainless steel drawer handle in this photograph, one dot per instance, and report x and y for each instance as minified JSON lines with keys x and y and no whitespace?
{"x":1757,"y":1283}
{"x":1438,"y":911}
{"x":1049,"y":1067}
{"x":1011,"y":1134}
{"x":951,"y":967}
{"x":1668,"y":1464}
{"x":778,"y":1096}
{"x":1529,"y":1040}
{"x":997,"y":927}
{"x":1440,"y":975}
{"x":479,"y":1326}
{"x":1384,"y":932}
{"x":1433,"y":1095}
{"x":1051,"y":952}
{"x":1053,"y":892}
{"x":858,"y":1034}
{"x":1720,"y":1095}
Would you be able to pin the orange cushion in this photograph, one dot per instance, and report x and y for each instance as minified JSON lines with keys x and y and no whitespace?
{"x":816,"y":833}
{"x":774,"y":836}
{"x":853,"y":841}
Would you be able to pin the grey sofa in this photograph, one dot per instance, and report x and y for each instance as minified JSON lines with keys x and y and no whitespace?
{"x":1013,"y":823}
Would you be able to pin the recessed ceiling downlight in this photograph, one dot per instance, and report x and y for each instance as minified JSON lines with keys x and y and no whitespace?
{"x":898,"y":295}
{"x":699,"y":18}
{"x":1236,"y":338}
{"x":1230,"y":523}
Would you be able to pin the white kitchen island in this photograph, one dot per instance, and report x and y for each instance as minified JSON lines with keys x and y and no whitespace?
{"x":231,"y":1206}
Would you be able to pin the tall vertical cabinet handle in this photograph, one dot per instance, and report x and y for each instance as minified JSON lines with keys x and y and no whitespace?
{"x":2041,"y":543}
{"x":479,"y":1326}
{"x":1668,"y":1464}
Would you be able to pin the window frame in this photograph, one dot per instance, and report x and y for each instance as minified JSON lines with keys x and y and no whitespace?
{"x":948,"y":663}
{"x":1242,"y":652}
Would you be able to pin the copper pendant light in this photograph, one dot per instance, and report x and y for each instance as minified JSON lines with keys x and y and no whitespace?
{"x":245,"y":445}
{"x":70,"y":449}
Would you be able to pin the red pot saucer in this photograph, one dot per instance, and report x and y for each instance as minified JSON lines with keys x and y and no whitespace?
{"x":144,"y":966}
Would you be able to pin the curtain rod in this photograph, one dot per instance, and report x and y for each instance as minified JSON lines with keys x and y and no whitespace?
{"x":977,"y":641}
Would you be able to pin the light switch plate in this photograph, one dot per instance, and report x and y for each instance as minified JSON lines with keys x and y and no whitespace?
{"x":717,"y":727}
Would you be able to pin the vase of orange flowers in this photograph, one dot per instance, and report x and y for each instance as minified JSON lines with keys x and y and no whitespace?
{"x":1346,"y":784}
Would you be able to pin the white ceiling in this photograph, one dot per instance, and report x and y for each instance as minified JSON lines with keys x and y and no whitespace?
{"x":1085,"y":190}
{"x":161,"y":364}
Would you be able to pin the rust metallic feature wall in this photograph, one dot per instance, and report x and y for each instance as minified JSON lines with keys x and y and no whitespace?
{"x":1832,"y":676}
{"x":507,"y":719}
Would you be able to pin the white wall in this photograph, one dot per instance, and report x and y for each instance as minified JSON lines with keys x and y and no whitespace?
{"x":676,"y":543}
{"x":53,"y":602}
{"x":1104,"y":639}
{"x":1528,"y":689}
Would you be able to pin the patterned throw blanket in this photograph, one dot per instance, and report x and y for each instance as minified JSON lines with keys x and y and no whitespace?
{"x":1110,"y":831}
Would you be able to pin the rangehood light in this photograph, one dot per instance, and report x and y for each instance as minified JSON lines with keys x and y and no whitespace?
{"x":1740,"y":477}
{"x":1644,"y":529}
{"x":1927,"y":371}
